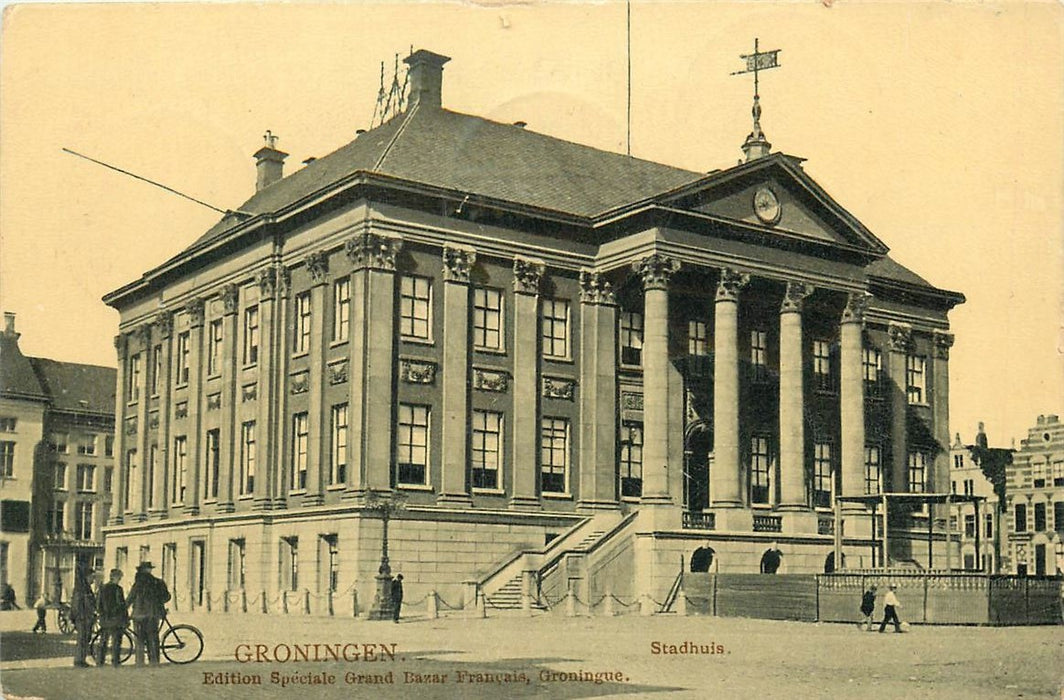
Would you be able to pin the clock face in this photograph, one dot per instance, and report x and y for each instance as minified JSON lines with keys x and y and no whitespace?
{"x":767,"y":205}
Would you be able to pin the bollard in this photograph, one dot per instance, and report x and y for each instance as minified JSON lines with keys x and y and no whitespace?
{"x":354,"y":603}
{"x":265,"y":606}
{"x":681,"y":603}
{"x":243,"y":600}
{"x":646,"y":606}
{"x":329,"y":603}
{"x":433,"y":604}
{"x":570,"y":604}
{"x":306,"y":601}
{"x":607,"y":608}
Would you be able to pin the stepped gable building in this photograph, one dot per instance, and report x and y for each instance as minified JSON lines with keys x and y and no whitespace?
{"x":1035,"y":498}
{"x":550,"y":350}
{"x":56,"y":468}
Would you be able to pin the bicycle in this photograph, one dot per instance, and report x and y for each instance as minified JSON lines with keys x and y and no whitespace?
{"x":180,"y":644}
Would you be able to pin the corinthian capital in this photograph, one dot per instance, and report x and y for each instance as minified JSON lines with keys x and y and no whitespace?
{"x":795,"y":297}
{"x":656,"y":270}
{"x":318,"y":266}
{"x":901,"y":336}
{"x":230,"y":296}
{"x":856,"y":304}
{"x":943,"y":341}
{"x":457,"y":262}
{"x":194,"y":309}
{"x":528,"y":274}
{"x":374,"y":251}
{"x":730,"y":283}
{"x":595,"y":289}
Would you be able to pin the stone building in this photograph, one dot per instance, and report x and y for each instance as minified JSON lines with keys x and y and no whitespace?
{"x":577,"y":366}
{"x":1035,"y":498}
{"x":56,"y":468}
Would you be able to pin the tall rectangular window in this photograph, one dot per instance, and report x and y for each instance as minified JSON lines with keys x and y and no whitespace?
{"x":237,"y":564}
{"x":822,"y":365}
{"x":247,"y":458}
{"x":214,"y":347}
{"x":211,"y":465}
{"x":180,"y":469}
{"x":631,"y":460}
{"x":760,"y":469}
{"x":759,"y":355}
{"x":156,"y":369}
{"x":86,"y":478}
{"x":412,"y":445}
{"x":341,"y":309}
{"x":134,"y":377}
{"x":917,"y":472}
{"x":486,"y":449}
{"x":697,"y":339}
{"x":487,"y":319}
{"x":300,"y":443}
{"x":873,"y":469}
{"x":183,"y":345}
{"x":301,"y":341}
{"x":631,"y":338}
{"x":1020,"y":521}
{"x":83,"y":520}
{"x":7,"y":459}
{"x":251,"y":335}
{"x":554,"y":455}
{"x":131,"y":477}
{"x":823,"y":475}
{"x":1039,"y":517}
{"x":916,"y":378}
{"x":338,"y":443}
{"x":554,"y":328}
{"x":415,"y":308}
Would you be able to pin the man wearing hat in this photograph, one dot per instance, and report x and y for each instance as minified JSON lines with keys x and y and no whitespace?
{"x":147,"y":599}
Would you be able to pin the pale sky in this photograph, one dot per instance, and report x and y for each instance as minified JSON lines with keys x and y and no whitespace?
{"x":937,"y":125}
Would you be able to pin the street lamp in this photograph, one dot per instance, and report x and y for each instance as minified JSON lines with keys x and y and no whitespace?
{"x":386,"y":506}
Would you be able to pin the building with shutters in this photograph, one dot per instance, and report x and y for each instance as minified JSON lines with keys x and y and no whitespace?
{"x":56,"y":468}
{"x":577,"y":367}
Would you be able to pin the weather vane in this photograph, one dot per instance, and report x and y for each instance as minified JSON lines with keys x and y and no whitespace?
{"x":755,"y":63}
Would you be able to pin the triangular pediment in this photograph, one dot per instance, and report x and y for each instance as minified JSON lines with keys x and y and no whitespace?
{"x":774,"y":194}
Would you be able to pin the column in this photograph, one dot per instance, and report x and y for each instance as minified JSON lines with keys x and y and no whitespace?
{"x":793,"y":495}
{"x":118,"y":508}
{"x":457,"y":261}
{"x":194,"y":309}
{"x":941,"y":343}
{"x":655,"y":271}
{"x":266,"y":415}
{"x":372,"y":364}
{"x":318,"y":267}
{"x":528,"y":274}
{"x":900,"y":339}
{"x":725,"y":476}
{"x":598,"y":393}
{"x":143,"y":441}
{"x":164,"y":324}
{"x":228,"y":452}
{"x":851,"y":398}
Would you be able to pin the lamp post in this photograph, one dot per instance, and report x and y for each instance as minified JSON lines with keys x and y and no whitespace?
{"x":387,"y":505}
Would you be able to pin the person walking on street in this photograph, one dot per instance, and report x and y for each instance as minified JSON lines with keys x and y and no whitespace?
{"x":146,"y":599}
{"x":113,"y":617}
{"x":41,"y":606}
{"x":890,"y":610}
{"x":397,"y":597}
{"x":83,"y":615}
{"x":868,"y":606}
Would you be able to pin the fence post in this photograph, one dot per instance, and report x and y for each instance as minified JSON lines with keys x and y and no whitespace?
{"x":306,"y":601}
{"x":433,"y":605}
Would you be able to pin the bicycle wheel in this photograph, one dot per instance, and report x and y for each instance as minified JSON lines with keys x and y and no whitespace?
{"x":182,"y":644}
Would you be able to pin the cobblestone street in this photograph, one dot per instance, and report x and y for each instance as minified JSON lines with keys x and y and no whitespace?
{"x":557,"y":657}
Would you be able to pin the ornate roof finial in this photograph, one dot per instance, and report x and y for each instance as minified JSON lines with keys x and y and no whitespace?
{"x":756,"y":145}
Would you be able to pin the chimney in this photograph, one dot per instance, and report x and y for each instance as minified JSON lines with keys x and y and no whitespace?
{"x":425,"y":74}
{"x":269,"y":162}
{"x":9,"y":325}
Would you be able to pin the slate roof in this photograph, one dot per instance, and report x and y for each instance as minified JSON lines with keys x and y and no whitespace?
{"x":77,"y":387}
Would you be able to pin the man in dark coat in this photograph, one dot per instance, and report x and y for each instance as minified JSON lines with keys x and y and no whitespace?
{"x":147,"y":599}
{"x":83,"y":615}
{"x":397,"y":597}
{"x":113,"y":617}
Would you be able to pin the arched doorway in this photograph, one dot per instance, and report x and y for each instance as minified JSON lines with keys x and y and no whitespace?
{"x":698,"y":440}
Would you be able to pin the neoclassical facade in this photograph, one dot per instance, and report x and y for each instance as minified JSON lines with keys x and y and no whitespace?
{"x":555,"y":354}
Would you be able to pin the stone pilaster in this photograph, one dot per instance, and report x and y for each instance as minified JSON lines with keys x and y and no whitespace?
{"x":164,"y":325}
{"x":528,"y":275}
{"x":598,"y":393}
{"x":195,"y":311}
{"x":318,"y":267}
{"x":457,"y":262}
{"x":851,"y":398}
{"x":267,"y":414}
{"x":122,"y":354}
{"x":793,"y":496}
{"x":900,"y":338}
{"x":228,"y":451}
{"x":726,"y":474}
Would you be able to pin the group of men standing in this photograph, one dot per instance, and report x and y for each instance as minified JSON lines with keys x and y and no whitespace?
{"x":110,"y":608}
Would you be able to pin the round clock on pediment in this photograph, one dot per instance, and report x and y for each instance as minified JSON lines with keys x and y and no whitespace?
{"x":767,"y":206}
